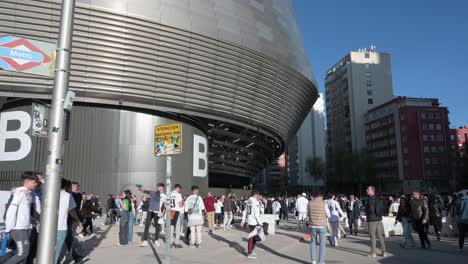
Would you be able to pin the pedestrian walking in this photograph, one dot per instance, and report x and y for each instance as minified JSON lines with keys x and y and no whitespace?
{"x":125,"y":202}
{"x":209,"y":203}
{"x":318,"y":216}
{"x":228,"y":214}
{"x":404,"y":217}
{"x":462,"y":211}
{"x":436,"y":210}
{"x":374,"y":212}
{"x":18,"y":217}
{"x":219,"y":212}
{"x":336,"y":215}
{"x":177,"y":208}
{"x":420,"y":215}
{"x":88,"y":212}
{"x":301,"y":209}
{"x":276,"y":209}
{"x":251,"y":216}
{"x":155,"y":210}
{"x":194,"y":207}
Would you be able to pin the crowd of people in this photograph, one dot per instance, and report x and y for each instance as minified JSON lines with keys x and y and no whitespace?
{"x":322,"y":216}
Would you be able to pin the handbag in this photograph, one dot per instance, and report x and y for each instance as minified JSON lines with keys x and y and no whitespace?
{"x":190,"y":211}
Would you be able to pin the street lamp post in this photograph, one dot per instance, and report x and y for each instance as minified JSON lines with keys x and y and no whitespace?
{"x":54,"y":167}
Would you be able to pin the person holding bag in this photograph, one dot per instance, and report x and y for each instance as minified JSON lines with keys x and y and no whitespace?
{"x":194,"y":208}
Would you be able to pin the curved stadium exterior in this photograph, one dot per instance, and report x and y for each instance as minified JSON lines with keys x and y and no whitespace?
{"x":234,"y":72}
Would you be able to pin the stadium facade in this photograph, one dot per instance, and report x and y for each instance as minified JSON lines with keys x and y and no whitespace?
{"x":233,"y":72}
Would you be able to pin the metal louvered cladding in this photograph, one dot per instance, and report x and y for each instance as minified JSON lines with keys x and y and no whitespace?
{"x":127,"y":60}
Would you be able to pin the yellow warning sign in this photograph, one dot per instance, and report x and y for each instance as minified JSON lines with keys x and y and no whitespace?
{"x":167,"y":139}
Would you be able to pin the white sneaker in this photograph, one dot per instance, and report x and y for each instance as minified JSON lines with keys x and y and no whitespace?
{"x":144,"y":243}
{"x":251,"y":256}
{"x":314,"y":262}
{"x":81,"y":236}
{"x":156,"y":243}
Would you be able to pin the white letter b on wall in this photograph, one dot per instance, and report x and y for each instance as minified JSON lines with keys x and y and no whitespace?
{"x":200,"y":156}
{"x":20,"y":134}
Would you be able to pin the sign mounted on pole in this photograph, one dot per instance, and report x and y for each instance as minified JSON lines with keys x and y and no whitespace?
{"x":167,"y":139}
{"x":27,"y":56}
{"x":40,"y":120}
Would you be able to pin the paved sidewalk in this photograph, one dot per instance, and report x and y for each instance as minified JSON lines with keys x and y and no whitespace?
{"x":287,"y":246}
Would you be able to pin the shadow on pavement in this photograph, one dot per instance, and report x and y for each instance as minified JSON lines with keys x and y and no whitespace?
{"x":231,"y":244}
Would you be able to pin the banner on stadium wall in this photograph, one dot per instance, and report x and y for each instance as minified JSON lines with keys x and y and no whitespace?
{"x":168,"y":139}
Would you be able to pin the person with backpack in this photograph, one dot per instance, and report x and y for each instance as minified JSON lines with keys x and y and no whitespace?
{"x":336,"y":215}
{"x":374,"y":212}
{"x":18,"y":217}
{"x":436,"y":211}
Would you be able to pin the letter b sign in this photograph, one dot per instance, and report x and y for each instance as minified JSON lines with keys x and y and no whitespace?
{"x":19,"y":134}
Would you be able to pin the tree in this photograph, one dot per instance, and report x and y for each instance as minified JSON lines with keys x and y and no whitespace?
{"x":316,"y":168}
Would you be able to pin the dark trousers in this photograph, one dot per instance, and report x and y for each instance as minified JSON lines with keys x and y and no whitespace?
{"x":152,"y":216}
{"x":421,"y":229}
{"x":462,"y":230}
{"x":123,"y":231}
{"x":72,"y":243}
{"x":353,"y":225}
{"x":252,"y":241}
{"x":283,"y":215}
{"x":21,"y":239}
{"x":88,"y":222}
{"x":33,"y":246}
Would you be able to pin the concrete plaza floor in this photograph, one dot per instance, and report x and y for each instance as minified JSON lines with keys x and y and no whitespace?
{"x":286,"y":246}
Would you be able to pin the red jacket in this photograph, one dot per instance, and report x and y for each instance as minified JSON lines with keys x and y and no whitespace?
{"x":209,"y":204}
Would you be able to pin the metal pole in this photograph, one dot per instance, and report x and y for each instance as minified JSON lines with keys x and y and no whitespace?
{"x":49,"y":216}
{"x":168,"y":209}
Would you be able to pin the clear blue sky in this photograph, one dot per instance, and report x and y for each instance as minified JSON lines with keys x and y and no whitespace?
{"x":427,"y":39}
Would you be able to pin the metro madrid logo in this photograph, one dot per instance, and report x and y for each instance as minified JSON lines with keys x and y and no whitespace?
{"x":25,"y":55}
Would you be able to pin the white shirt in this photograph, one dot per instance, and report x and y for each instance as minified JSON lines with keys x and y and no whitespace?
{"x":176,"y":198}
{"x":252,"y":212}
{"x":394,"y":207}
{"x":301,"y":204}
{"x":276,"y":207}
{"x":162,"y":201}
{"x":18,"y":216}
{"x":66,"y":203}
{"x":218,"y":205}
{"x":195,"y":202}
{"x":335,"y":210}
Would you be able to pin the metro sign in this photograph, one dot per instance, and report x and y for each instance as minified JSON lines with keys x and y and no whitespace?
{"x":28,"y":56}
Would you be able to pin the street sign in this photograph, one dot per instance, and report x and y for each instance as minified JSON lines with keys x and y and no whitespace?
{"x":40,"y":120}
{"x":167,"y":139}
{"x":27,"y":56}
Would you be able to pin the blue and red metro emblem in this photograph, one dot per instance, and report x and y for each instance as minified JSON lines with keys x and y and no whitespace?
{"x":20,"y":55}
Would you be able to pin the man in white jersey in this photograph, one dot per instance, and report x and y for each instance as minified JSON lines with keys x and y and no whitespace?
{"x":251,"y":214}
{"x":177,"y":209}
{"x":18,"y":217}
{"x":301,"y":209}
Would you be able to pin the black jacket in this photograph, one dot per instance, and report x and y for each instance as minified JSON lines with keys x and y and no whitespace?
{"x":374,"y":209}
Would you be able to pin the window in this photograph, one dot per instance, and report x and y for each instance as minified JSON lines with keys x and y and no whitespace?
{"x":423,"y":115}
{"x":441,"y":149}
{"x":427,"y":161}
{"x":435,"y":161}
{"x":452,"y":137}
{"x":425,"y":138}
{"x":438,"y":126}
{"x":434,"y":149}
{"x":426,"y":149}
{"x":403,"y":117}
{"x":367,"y":55}
{"x":431,"y":126}
{"x":405,"y":150}
{"x":367,"y":65}
{"x":369,"y":83}
{"x":428,"y":173}
{"x":440,"y":138}
{"x":370,"y":101}
{"x":369,"y":92}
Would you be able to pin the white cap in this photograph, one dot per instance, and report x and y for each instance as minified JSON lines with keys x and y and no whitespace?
{"x":303,"y":194}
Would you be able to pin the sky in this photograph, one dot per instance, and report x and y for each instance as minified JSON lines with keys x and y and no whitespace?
{"x":427,"y":40}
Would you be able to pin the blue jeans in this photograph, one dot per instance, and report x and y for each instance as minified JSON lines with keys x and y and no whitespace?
{"x":322,"y":232}
{"x":407,"y":233}
{"x":61,"y":235}
{"x":131,"y":223}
